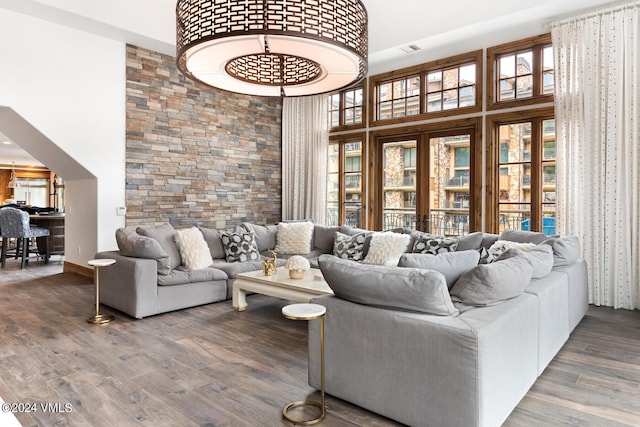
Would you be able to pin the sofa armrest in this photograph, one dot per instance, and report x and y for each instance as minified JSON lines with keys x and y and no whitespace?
{"x":130,"y":285}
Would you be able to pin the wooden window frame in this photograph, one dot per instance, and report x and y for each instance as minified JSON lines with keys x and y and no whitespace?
{"x":347,"y":127}
{"x":375,"y":161}
{"x":537,"y":45}
{"x":537,"y":117}
{"x":423,"y":70}
{"x":342,"y":140}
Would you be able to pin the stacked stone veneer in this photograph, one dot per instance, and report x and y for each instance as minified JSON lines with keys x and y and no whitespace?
{"x":197,"y":155}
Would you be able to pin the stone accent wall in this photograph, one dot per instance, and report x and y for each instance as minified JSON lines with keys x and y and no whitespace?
{"x":197,"y":155}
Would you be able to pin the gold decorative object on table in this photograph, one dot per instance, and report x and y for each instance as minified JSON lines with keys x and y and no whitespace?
{"x":297,"y":266}
{"x":269,"y":265}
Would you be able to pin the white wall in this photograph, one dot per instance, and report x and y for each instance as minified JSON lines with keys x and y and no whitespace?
{"x":70,"y":85}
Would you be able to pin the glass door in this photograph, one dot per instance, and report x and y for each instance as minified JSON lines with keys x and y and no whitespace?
{"x":399,"y":183}
{"x":426,"y":182}
{"x":450,"y":183}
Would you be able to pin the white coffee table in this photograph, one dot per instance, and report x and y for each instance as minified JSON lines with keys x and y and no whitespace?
{"x":279,"y":285}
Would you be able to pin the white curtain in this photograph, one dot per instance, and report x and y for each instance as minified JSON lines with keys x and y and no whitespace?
{"x":597,"y":102}
{"x":305,"y":144}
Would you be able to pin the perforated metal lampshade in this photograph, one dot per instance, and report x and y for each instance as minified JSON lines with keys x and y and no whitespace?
{"x":272,"y":48}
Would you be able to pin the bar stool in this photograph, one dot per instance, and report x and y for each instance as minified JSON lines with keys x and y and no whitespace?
{"x":308,"y":312}
{"x":14,"y":223}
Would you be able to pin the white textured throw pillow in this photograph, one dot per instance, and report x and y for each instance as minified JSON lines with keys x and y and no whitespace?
{"x":501,"y":246}
{"x":386,"y":248}
{"x":193,"y":249}
{"x":294,"y":238}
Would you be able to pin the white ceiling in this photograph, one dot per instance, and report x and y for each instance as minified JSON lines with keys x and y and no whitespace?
{"x":440,"y":29}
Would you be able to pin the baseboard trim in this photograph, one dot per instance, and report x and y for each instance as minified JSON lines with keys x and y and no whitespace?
{"x":79,"y":270}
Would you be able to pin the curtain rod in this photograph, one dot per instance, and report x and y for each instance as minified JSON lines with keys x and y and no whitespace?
{"x":595,"y":12}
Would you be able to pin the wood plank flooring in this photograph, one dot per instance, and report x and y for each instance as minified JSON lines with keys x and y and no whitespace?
{"x":212,"y":366}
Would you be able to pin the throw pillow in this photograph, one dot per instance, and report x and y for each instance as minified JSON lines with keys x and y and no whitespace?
{"x":540,"y":257}
{"x":490,"y":284}
{"x":451,"y":264}
{"x":163,"y":234}
{"x":133,"y":244}
{"x":294,"y":238}
{"x":411,"y":289}
{"x":194,"y":251}
{"x":386,"y":248}
{"x":502,"y":245}
{"x":240,"y":246}
{"x":430,"y":244}
{"x":566,"y":250}
{"x":349,"y":247}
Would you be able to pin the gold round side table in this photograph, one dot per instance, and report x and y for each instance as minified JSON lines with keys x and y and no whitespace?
{"x":308,"y":312}
{"x":100,"y":318}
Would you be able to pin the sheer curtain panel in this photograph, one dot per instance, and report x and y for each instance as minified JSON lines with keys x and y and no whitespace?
{"x":597,"y":98}
{"x":305,"y":144}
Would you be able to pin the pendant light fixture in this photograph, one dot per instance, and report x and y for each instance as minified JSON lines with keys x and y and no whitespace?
{"x":272,"y":47}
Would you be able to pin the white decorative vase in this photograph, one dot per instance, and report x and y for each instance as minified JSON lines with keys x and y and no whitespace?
{"x":296,"y":274}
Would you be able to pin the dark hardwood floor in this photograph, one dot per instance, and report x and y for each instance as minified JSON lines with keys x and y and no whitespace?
{"x":212,"y":366}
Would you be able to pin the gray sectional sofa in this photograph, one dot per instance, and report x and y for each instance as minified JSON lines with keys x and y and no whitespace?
{"x":426,"y":365}
{"x":451,"y":339}
{"x":149,"y":278}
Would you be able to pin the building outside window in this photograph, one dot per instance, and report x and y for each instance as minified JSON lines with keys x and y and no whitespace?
{"x":344,"y":184}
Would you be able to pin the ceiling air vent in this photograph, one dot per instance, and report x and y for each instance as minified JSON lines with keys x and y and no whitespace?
{"x":410,"y":48}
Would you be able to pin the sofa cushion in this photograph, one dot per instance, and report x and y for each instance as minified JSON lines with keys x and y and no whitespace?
{"x":233,"y":268}
{"x":566,"y":250}
{"x":452,"y":265}
{"x":430,"y":244}
{"x":522,"y":236}
{"x":323,"y":238}
{"x":164,"y":234}
{"x":349,"y":247}
{"x":386,"y":248}
{"x":540,"y":257}
{"x":470,"y":241}
{"x":265,"y":235}
{"x":193,"y":249}
{"x":490,"y":284}
{"x":134,"y":245}
{"x":410,"y":289}
{"x":180,"y":276}
{"x":294,"y":237}
{"x":214,"y":242}
{"x":240,"y":246}
{"x":352,"y":231}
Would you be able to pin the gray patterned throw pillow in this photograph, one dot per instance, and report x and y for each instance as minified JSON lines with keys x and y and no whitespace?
{"x":349,"y":247}
{"x":240,"y":246}
{"x":434,"y":245}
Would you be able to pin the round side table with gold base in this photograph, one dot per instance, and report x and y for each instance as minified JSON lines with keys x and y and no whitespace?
{"x":308,"y":312}
{"x":100,"y":318}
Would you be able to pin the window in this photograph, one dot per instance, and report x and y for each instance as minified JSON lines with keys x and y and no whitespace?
{"x":344,"y":182}
{"x":398,"y":98}
{"x":429,"y":90}
{"x":451,"y":88}
{"x":461,"y":157}
{"x":346,"y":108}
{"x":521,"y":72}
{"x":525,"y":172}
